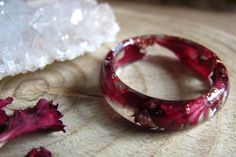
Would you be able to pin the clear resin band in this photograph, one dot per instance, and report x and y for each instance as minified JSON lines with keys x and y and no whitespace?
{"x":155,"y":113}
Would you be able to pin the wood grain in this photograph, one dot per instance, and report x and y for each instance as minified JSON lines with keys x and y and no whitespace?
{"x":93,"y":129}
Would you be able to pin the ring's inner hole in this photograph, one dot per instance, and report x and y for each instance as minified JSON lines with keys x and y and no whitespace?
{"x":161,"y":74}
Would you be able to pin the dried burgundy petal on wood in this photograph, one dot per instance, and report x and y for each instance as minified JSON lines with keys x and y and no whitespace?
{"x":44,"y":116}
{"x":39,"y":152}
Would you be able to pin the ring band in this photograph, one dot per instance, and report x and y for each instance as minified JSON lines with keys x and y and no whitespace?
{"x":159,"y":114}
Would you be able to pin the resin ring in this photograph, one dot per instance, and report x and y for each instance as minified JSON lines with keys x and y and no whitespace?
{"x":159,"y":114}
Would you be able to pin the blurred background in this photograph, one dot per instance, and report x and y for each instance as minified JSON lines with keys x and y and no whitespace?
{"x":219,"y":14}
{"x":221,"y":5}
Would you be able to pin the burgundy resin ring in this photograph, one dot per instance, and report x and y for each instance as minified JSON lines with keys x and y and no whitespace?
{"x":159,"y":114}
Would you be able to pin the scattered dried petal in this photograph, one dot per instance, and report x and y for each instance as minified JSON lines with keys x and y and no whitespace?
{"x":39,"y":152}
{"x":43,"y":117}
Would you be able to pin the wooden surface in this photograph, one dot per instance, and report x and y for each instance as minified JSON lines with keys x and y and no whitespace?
{"x":94,"y":129}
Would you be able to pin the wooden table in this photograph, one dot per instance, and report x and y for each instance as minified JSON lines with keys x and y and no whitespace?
{"x":94,"y":129}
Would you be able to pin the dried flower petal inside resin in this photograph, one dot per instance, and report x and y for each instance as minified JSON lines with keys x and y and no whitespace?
{"x":3,"y":115}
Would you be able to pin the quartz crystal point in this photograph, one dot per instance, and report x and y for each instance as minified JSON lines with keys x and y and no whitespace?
{"x":32,"y":37}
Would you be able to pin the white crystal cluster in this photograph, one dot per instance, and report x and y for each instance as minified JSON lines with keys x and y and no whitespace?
{"x":32,"y":37}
